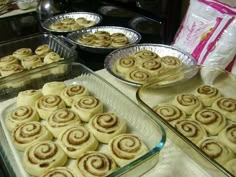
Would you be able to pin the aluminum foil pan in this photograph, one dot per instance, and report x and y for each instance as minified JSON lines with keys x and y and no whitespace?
{"x":162,"y":50}
{"x":88,"y":15}
{"x":133,"y":36}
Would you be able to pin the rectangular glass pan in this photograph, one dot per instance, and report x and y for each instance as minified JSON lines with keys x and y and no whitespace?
{"x":14,"y":83}
{"x":139,"y":122}
{"x":151,"y":94}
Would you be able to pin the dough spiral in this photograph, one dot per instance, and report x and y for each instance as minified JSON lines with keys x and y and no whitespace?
{"x":137,"y":76}
{"x":59,"y":172}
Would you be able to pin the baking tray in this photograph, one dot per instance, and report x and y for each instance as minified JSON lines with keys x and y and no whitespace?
{"x":133,"y":37}
{"x":160,"y":49}
{"x":13,"y":83}
{"x":139,"y":122}
{"x":88,"y":15}
{"x":153,"y":93}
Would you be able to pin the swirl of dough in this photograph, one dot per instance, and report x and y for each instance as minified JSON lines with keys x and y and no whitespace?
{"x":52,"y":57}
{"x":118,"y":35}
{"x":68,"y":21}
{"x":101,"y":43}
{"x":231,"y":166}
{"x":216,"y":150}
{"x":126,"y":148}
{"x":72,"y":93}
{"x":101,"y":33}
{"x":119,"y":42}
{"x":145,"y":55}
{"x":28,"y":97}
{"x":20,"y":116}
{"x":227,"y":106}
{"x":152,"y":66}
{"x":42,"y":50}
{"x":84,"y":22}
{"x":212,"y":120}
{"x":171,"y":62}
{"x":228,"y":136}
{"x":22,"y":53}
{"x":187,"y":102}
{"x":31,"y":61}
{"x":42,"y":156}
{"x":29,"y":133}
{"x":46,"y":105}
{"x":124,"y":64}
{"x":11,"y":69}
{"x":94,"y":164}
{"x":62,"y":119}
{"x":170,"y":113}
{"x":137,"y":76}
{"x":76,"y":26}
{"x":8,"y":60}
{"x":87,"y":106}
{"x":191,"y":130}
{"x":105,"y":126}
{"x":59,"y":172}
{"x":207,"y":94}
{"x":53,"y":88}
{"x":77,"y":140}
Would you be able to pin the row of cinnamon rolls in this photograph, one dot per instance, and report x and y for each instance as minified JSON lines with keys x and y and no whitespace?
{"x":206,"y":118}
{"x":60,"y":123}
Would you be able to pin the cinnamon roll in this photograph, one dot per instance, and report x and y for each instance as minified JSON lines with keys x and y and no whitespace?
{"x":101,"y":43}
{"x":137,"y":76}
{"x":102,"y":33}
{"x":28,"y":134}
{"x":191,"y":130}
{"x":31,"y":61}
{"x":84,"y":22}
{"x":228,"y":136}
{"x":119,"y":42}
{"x":28,"y":97}
{"x":11,"y":69}
{"x":105,"y":126}
{"x":170,"y":113}
{"x":207,"y":94}
{"x":143,"y":55}
{"x":171,"y":62}
{"x":211,"y":120}
{"x":20,"y":116}
{"x":60,"y":27}
{"x":42,"y":50}
{"x":8,"y":60}
{"x":42,"y":156}
{"x":52,"y":57}
{"x":72,"y":93}
{"x":123,"y":65}
{"x":53,"y":88}
{"x":216,"y":150}
{"x":87,"y":106}
{"x":227,"y":106}
{"x":94,"y":164}
{"x":46,"y":105}
{"x":126,"y":148}
{"x":231,"y":166}
{"x":22,"y":53}
{"x":59,"y":172}
{"x":61,"y":120}
{"x":77,"y":140}
{"x":68,"y":21}
{"x":87,"y":39}
{"x":76,"y":26}
{"x":117,"y":35}
{"x":154,"y":67}
{"x":187,"y":102}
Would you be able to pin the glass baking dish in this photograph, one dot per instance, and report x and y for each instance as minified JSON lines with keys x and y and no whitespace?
{"x":139,"y":122}
{"x":153,"y":93}
{"x":13,"y":82}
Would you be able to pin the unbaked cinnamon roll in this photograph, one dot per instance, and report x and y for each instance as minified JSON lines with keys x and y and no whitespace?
{"x":137,"y":76}
{"x":216,"y":150}
{"x":8,"y":60}
{"x":101,"y":43}
{"x":105,"y":126}
{"x":11,"y":69}
{"x":212,"y":120}
{"x":170,"y":113}
{"x":191,"y":130}
{"x":22,"y":53}
{"x":59,"y":172}
{"x":42,"y":156}
{"x":31,"y":61}
{"x":52,"y":57}
{"x":76,"y":26}
{"x":154,"y":67}
{"x":231,"y":166}
{"x":123,"y":65}
{"x":20,"y":116}
{"x":119,"y":42}
{"x":87,"y":39}
{"x":72,"y":93}
{"x":68,"y":21}
{"x":28,"y":134}
{"x":77,"y":140}
{"x":42,"y":50}
{"x":227,"y":106}
{"x":46,"y":105}
{"x":94,"y":164}
{"x":228,"y":136}
{"x":28,"y":97}
{"x":171,"y":62}
{"x":207,"y":94}
{"x":53,"y":88}
{"x":126,"y":148}
{"x":84,"y":22}
{"x":60,"y":120}
{"x":101,"y":33}
{"x":117,"y":35}
{"x":86,"y":107}
{"x":145,"y":55}
{"x":187,"y":102}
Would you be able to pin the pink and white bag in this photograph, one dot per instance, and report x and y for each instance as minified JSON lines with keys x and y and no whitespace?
{"x":208,"y":32}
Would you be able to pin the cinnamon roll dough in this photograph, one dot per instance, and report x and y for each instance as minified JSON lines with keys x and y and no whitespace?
{"x":52,"y":57}
{"x":10,"y":69}
{"x":57,"y":171}
{"x":123,"y":65}
{"x":53,"y":88}
{"x":28,"y":97}
{"x":31,"y":62}
{"x":8,"y":60}
{"x":137,"y":76}
{"x":42,"y":50}
{"x":22,"y":53}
